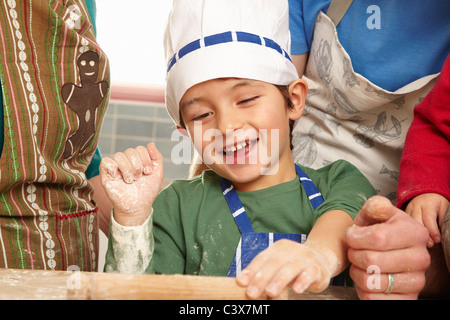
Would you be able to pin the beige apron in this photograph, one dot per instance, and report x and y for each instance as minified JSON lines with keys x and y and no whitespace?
{"x":55,"y":91}
{"x":348,"y":117}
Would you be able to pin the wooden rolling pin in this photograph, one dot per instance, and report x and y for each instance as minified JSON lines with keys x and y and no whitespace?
{"x":38,"y":284}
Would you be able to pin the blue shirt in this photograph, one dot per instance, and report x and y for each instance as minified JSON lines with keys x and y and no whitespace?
{"x":391,"y":43}
{"x":93,"y":169}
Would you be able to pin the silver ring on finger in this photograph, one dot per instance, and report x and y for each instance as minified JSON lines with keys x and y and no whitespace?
{"x":390,"y":283}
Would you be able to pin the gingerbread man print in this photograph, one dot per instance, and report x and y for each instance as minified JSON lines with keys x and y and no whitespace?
{"x":84,"y":100}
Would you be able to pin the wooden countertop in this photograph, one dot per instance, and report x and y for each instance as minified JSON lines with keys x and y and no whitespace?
{"x":62,"y":285}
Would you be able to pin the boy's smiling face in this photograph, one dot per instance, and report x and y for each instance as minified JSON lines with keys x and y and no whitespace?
{"x":241,"y":129}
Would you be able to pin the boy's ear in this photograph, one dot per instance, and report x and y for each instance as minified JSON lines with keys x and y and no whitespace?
{"x":298,"y":90}
{"x":183,"y":131}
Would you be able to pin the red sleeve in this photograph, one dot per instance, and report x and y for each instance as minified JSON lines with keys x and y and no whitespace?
{"x":425,"y":163}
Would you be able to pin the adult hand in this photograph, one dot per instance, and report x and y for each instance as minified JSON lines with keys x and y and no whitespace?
{"x":386,"y":241}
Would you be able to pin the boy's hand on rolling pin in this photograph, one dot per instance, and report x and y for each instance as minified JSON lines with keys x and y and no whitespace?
{"x":132,"y":181}
{"x":285,"y":263}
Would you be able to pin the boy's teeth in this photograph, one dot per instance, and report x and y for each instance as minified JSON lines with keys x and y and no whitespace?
{"x":237,"y":147}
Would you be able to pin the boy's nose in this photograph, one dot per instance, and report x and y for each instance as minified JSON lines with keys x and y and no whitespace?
{"x":229,"y":119}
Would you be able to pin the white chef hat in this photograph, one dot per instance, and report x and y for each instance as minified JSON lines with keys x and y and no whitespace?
{"x":210,"y":39}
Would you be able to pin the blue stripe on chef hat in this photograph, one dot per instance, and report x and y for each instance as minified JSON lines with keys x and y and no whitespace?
{"x":226,"y":37}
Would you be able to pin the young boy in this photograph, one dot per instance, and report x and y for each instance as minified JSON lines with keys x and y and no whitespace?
{"x":232,"y":88}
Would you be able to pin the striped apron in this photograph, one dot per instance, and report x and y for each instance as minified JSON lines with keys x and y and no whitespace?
{"x":54,"y":81}
{"x":251,"y":243}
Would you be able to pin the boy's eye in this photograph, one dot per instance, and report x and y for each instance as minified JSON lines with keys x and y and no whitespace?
{"x":244,"y":101}
{"x":202,"y":116}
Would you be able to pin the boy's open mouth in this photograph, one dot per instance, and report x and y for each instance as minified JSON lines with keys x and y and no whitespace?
{"x":240,"y":150}
{"x":238,"y":146}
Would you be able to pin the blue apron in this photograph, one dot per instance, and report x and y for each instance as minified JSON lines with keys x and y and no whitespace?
{"x":251,"y":242}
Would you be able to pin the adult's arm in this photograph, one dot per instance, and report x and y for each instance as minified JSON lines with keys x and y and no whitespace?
{"x":425,"y":163}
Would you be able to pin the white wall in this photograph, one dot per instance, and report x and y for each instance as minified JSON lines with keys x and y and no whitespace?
{"x":131,"y":34}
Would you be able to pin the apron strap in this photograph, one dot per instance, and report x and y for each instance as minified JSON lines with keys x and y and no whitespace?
{"x":314,"y":195}
{"x":337,"y":10}
{"x":236,"y":207}
{"x":238,"y":211}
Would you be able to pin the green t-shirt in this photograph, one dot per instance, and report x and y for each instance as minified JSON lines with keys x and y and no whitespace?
{"x":195,"y":233}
